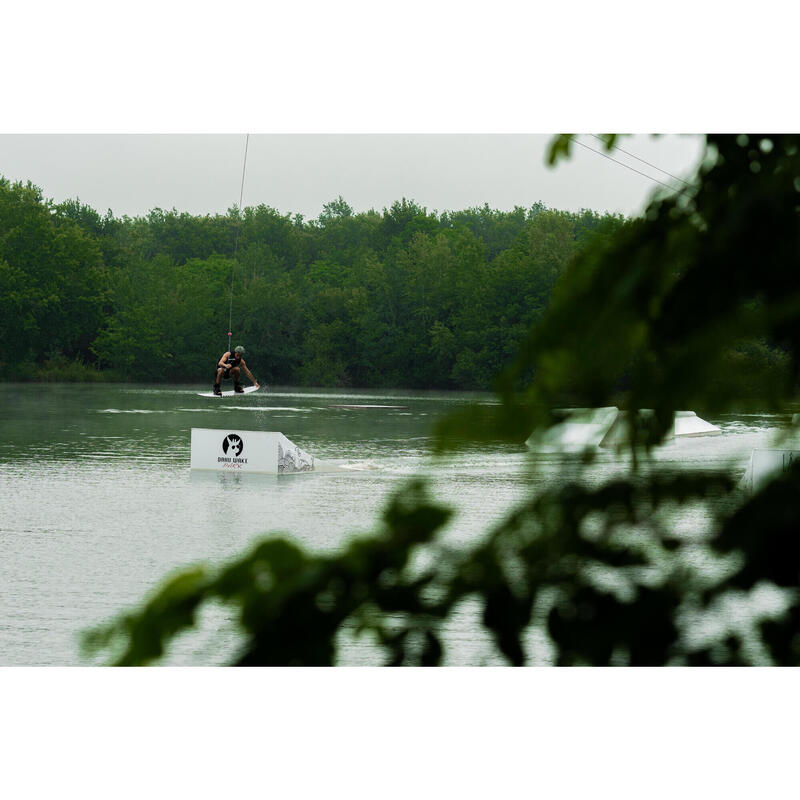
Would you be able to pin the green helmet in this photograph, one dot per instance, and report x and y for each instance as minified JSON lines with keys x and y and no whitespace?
{"x":239,"y":349}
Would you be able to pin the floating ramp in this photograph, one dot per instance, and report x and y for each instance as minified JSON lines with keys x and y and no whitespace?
{"x":236,"y":450}
{"x":589,"y":428}
{"x":687,"y":423}
{"x":581,"y":428}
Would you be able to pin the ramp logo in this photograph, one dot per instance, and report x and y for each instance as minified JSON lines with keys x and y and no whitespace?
{"x":232,"y":446}
{"x":234,"y":443}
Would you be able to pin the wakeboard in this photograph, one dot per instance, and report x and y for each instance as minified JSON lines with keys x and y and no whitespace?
{"x":229,"y":392}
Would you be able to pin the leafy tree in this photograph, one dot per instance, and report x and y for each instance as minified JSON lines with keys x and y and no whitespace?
{"x":164,"y":318}
{"x":51,"y":276}
{"x":84,"y":216}
{"x":341,"y":237}
{"x":332,"y":341}
{"x":272,"y":321}
{"x":496,"y":229}
{"x":403,"y":220}
{"x":287,"y":238}
{"x":336,"y":209}
{"x":134,"y":338}
{"x":641,"y":318}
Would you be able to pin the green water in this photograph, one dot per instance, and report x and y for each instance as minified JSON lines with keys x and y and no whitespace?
{"x":99,"y":503}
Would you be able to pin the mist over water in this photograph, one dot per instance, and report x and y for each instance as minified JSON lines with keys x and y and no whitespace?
{"x":99,"y":503}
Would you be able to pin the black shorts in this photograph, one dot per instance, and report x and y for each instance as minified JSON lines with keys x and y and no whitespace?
{"x":227,"y":373}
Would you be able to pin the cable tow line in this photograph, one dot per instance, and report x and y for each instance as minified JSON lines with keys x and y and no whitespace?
{"x":236,"y":242}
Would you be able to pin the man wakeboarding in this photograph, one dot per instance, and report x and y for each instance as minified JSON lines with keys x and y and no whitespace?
{"x":230,"y":365}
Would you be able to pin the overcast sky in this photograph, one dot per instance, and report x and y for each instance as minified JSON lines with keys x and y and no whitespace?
{"x":434,"y":102}
{"x":201,"y":174}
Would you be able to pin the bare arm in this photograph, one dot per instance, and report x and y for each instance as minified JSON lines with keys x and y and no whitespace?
{"x":221,"y":362}
{"x":249,"y":374}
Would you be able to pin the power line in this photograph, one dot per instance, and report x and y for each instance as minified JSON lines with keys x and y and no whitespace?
{"x":617,"y":147}
{"x":622,"y":164}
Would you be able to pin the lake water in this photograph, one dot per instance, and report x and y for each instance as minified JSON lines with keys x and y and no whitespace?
{"x":99,"y":503}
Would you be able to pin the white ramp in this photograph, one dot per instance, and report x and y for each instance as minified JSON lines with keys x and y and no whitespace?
{"x":590,"y":428}
{"x":687,"y":423}
{"x":583,"y":428}
{"x":236,"y":450}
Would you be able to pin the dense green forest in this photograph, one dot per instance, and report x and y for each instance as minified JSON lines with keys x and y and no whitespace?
{"x":401,"y":298}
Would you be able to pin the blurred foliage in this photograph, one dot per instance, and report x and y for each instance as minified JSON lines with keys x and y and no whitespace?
{"x":650,"y":316}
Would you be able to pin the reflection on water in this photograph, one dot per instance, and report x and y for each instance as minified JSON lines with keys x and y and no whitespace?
{"x":99,"y":503}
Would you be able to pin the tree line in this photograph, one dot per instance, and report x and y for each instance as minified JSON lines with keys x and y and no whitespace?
{"x":400,"y":298}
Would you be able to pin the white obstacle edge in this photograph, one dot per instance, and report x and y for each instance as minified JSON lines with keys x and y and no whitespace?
{"x":235,"y":450}
{"x":606,"y":428}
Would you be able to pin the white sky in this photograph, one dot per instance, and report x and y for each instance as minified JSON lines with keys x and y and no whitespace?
{"x":201,"y":174}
